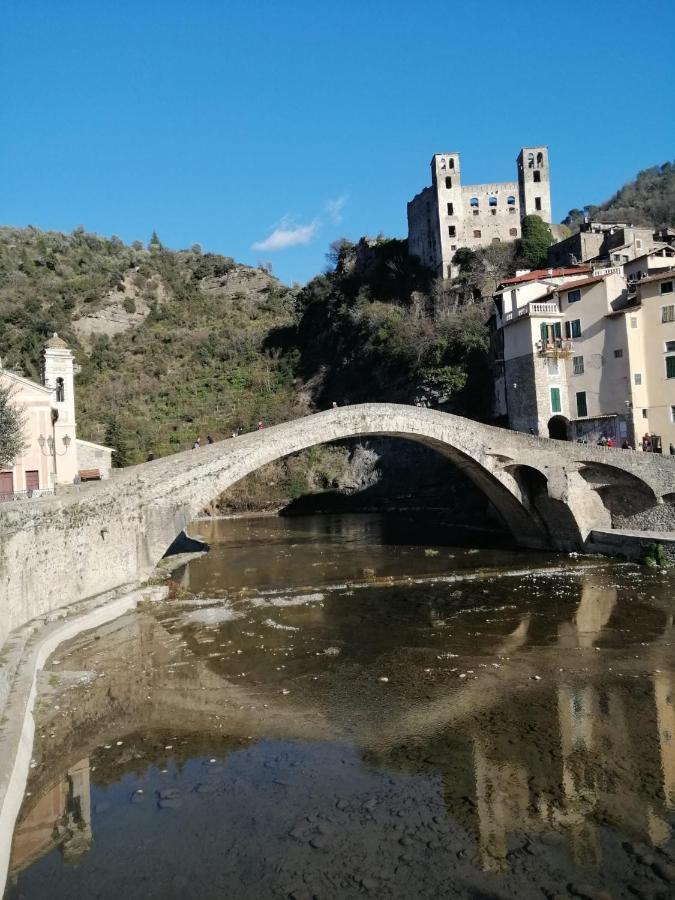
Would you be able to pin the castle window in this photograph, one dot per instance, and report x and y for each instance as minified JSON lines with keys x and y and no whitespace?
{"x":540,"y":159}
{"x":536,"y":175}
{"x":476,"y":212}
{"x":451,"y":209}
{"x":496,"y":240}
{"x":494,"y":212}
{"x":530,"y":160}
{"x":474,"y":201}
{"x":453,"y":246}
{"x":513,"y":232}
{"x":452,"y":231}
{"x":476,"y":232}
{"x":537,"y":203}
{"x":448,"y":181}
{"x":451,"y":164}
{"x":492,"y":201}
{"x":512,"y":209}
{"x":511,"y":201}
{"x":60,"y":390}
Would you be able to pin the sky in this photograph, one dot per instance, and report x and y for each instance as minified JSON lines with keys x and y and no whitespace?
{"x":266,"y":129}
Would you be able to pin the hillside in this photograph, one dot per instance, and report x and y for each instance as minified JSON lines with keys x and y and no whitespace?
{"x":169,"y":342}
{"x":648,"y":200}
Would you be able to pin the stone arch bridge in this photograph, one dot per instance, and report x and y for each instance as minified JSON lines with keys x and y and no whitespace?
{"x":104,"y":536}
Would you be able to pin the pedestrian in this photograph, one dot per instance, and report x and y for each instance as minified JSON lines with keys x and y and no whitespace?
{"x":647,"y":443}
{"x":610,"y":442}
{"x":334,"y":404}
{"x":150,"y":456}
{"x":602,"y":442}
{"x":260,"y":426}
{"x":532,"y":431}
{"x":625,"y":445}
{"x":235,"y":433}
{"x":209,"y":439}
{"x":197,"y":444}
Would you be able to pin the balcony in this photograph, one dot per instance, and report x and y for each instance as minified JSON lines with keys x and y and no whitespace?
{"x":555,"y":348}
{"x":532,"y":309}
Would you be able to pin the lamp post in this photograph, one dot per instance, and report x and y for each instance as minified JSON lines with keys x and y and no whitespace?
{"x":50,"y":444}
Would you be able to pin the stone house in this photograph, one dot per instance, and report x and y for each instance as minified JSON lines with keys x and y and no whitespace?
{"x":449,"y":215}
{"x":52,"y":454}
{"x":613,"y":242}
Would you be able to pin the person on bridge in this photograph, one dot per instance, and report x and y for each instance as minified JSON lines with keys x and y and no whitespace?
{"x":209,"y":439}
{"x":260,"y":426}
{"x":197,"y":444}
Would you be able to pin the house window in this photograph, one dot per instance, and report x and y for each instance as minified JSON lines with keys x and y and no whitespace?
{"x":452,"y":231}
{"x":644,"y":413}
{"x":537,"y":203}
{"x":667,"y":313}
{"x":637,"y":378}
{"x":672,"y":413}
{"x":32,"y":480}
{"x":633,"y":321}
{"x":670,"y":366}
{"x":573,"y":328}
{"x":618,"y":354}
{"x":555,"y":400}
{"x":60,"y":391}
{"x":552,"y":367}
{"x":513,"y":232}
{"x":638,"y":244}
{"x":666,"y":287}
{"x":573,"y":296}
{"x":578,"y":365}
{"x":670,"y":346}
{"x":582,"y":408}
{"x":476,"y":232}
{"x":448,"y":182}
{"x":537,"y":176}
{"x":617,"y":257}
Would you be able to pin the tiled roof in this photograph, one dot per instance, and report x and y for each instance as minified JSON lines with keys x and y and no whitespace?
{"x":582,"y":282}
{"x":662,"y":276}
{"x":56,"y":343}
{"x":539,"y":274}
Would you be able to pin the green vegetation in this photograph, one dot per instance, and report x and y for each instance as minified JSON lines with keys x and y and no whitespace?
{"x":11,"y":428}
{"x":535,"y":241}
{"x":117,"y":439}
{"x":649,"y":200}
{"x":656,"y":557}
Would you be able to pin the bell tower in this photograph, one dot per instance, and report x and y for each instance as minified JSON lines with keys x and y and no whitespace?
{"x":58,"y":374}
{"x":534,"y":183}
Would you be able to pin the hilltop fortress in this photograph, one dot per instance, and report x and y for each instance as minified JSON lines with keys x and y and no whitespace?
{"x":449,"y":214}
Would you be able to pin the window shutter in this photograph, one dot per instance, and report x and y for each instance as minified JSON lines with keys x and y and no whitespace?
{"x":544,"y":334}
{"x":568,"y":330}
{"x":557,"y":329}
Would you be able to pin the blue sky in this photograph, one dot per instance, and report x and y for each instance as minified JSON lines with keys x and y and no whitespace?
{"x":264,"y":130}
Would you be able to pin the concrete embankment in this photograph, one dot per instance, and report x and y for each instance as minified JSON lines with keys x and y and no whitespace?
{"x":23,"y":656}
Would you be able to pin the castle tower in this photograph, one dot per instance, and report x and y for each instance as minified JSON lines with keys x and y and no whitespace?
{"x":58,"y":374}
{"x":534,"y":183}
{"x":447,"y":183}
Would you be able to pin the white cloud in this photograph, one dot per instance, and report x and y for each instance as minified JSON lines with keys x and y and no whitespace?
{"x":334,"y":209}
{"x":288,"y":235}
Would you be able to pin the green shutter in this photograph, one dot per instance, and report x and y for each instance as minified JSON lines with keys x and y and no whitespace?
{"x":568,"y":330}
{"x":557,"y":329}
{"x":670,"y":366}
{"x":582,"y":409}
{"x":555,"y":400}
{"x":543,"y":332}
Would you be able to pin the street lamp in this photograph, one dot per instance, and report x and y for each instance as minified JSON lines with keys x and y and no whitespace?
{"x":51,"y":450}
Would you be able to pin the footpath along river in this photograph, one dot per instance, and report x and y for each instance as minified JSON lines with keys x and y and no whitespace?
{"x":350,"y":706}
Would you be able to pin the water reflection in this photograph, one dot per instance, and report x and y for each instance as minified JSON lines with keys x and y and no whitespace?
{"x":517,"y":731}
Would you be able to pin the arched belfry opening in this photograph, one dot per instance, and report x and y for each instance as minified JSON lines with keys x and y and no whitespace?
{"x":559,"y":428}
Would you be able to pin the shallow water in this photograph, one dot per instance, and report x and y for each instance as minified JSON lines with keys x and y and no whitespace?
{"x":349,"y":706}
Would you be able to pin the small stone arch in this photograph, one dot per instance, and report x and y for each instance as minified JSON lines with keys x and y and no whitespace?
{"x":511,"y":200}
{"x":530,"y":160}
{"x":540,"y":159}
{"x":559,"y":428}
{"x":492,"y":201}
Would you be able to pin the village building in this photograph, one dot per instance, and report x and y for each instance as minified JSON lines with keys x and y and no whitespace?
{"x":586,"y":358}
{"x":449,"y":215}
{"x":52,"y":453}
{"x":611,"y":243}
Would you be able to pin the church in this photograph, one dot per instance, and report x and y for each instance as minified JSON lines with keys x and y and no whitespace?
{"x":52,"y":454}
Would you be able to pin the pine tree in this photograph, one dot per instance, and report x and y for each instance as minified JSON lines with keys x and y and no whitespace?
{"x":116,"y":438}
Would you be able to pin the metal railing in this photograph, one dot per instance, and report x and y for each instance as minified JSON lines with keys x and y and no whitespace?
{"x":26,"y":495}
{"x":555,"y":347}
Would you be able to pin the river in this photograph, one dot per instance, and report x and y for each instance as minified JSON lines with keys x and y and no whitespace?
{"x":349,"y":706}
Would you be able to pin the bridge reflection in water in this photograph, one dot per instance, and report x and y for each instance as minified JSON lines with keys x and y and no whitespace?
{"x":562,"y":726}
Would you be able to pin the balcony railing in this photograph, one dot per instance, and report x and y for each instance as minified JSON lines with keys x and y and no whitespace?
{"x":25,"y":495}
{"x":531,"y":309}
{"x":555,"y":347}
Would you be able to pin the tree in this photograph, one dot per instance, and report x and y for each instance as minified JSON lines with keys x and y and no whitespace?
{"x":116,"y":438}
{"x":535,"y":241}
{"x":154,"y":243}
{"x":12,"y":422}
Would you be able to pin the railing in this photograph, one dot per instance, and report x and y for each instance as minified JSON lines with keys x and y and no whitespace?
{"x":555,"y":347}
{"x":25,"y":495}
{"x":531,"y":309}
